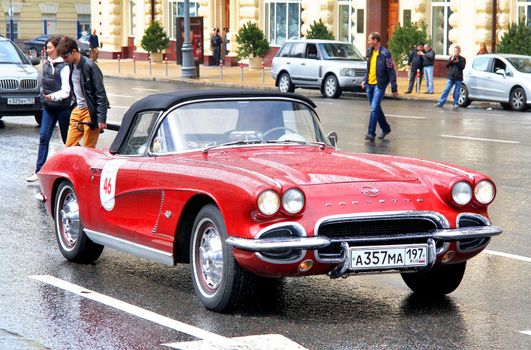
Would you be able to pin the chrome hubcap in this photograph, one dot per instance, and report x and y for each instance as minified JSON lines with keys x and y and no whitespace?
{"x":211,"y":256}
{"x":70,"y":221}
{"x":462,"y":96}
{"x":518,"y":99}
{"x":330,"y":87}
{"x":283,"y":84}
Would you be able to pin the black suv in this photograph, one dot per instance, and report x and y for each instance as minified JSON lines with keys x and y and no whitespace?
{"x":19,"y":82}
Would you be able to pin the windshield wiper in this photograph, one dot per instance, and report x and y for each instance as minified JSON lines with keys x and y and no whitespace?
{"x":232,"y":143}
{"x":299,"y":142}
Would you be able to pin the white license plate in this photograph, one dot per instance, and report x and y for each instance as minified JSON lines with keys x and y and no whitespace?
{"x":20,"y":101}
{"x":381,"y":257}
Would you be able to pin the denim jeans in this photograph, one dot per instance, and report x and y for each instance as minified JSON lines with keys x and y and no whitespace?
{"x":456,"y":84}
{"x":49,"y":119}
{"x":428,"y":74}
{"x":375,"y":96}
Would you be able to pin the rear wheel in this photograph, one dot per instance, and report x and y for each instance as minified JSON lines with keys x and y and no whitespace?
{"x":463,"y":101}
{"x":439,"y":280}
{"x":331,"y":88}
{"x":518,"y":99}
{"x":73,"y":242}
{"x":219,"y":281}
{"x":285,"y":84}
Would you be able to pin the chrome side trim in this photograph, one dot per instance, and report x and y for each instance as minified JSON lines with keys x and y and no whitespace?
{"x":130,"y":247}
{"x":467,"y":232}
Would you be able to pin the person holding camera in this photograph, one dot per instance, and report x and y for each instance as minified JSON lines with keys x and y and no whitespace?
{"x":455,"y":65}
{"x":415,"y":63}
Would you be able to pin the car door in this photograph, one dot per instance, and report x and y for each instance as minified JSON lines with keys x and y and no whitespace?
{"x":476,"y":77}
{"x":310,"y":65}
{"x":499,"y":84}
{"x":297,"y":62}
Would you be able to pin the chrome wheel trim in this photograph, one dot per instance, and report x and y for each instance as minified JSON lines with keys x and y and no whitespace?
{"x":69,"y":223}
{"x":283,"y":84}
{"x":330,"y":87}
{"x":461,"y":95}
{"x":208,"y":257}
{"x":518,"y":99}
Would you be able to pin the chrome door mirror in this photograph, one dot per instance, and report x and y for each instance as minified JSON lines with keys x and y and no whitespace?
{"x":500,"y":72}
{"x":332,"y":137}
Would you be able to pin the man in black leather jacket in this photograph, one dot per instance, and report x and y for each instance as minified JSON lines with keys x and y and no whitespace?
{"x":89,"y":115}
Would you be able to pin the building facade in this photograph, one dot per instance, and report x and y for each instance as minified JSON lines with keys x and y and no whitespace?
{"x":467,"y":23}
{"x":30,"y":18}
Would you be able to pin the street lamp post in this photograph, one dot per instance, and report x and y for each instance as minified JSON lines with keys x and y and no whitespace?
{"x":188,"y":67}
{"x":11,"y":22}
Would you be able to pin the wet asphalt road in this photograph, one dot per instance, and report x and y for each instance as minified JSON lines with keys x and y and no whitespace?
{"x":490,"y":310}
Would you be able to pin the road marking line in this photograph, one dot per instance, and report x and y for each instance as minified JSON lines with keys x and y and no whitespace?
{"x":507,"y":255}
{"x":404,"y":116}
{"x":255,"y":342}
{"x":478,"y":139}
{"x":114,"y":95}
{"x":137,"y":311}
{"x":144,"y":89}
{"x":526,"y":332}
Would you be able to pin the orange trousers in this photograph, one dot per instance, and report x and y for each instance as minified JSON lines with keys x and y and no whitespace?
{"x":77,"y":132}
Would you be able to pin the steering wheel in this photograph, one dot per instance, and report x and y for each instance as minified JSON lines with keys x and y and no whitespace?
{"x":276,"y":129}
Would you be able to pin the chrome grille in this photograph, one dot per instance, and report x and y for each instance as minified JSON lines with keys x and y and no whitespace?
{"x":28,"y":84}
{"x":9,"y":84}
{"x":359,"y":72}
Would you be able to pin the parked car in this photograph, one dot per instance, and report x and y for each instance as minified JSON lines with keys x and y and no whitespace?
{"x":19,"y":82}
{"x":331,"y":66}
{"x":498,"y":78}
{"x":246,"y":187}
{"x":35,"y":46}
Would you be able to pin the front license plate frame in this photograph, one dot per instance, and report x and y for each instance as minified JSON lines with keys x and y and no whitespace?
{"x":20,"y":100}
{"x":388,"y":257}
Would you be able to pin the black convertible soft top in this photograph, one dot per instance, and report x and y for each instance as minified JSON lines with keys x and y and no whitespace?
{"x":162,"y":102}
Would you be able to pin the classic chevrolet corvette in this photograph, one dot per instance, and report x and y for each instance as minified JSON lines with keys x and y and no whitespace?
{"x":246,"y":187}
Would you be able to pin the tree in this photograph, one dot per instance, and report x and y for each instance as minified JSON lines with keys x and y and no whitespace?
{"x":404,"y":39}
{"x":318,"y":30}
{"x":155,"y":39}
{"x":517,"y":40}
{"x":251,"y":42}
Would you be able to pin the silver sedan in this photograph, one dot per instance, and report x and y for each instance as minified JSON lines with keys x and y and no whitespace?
{"x":500,"y":78}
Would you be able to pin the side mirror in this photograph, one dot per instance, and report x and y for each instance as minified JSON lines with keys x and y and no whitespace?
{"x":500,"y":72}
{"x":332,"y":137}
{"x":35,"y":60}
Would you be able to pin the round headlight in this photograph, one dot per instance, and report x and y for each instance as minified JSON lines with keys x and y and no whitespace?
{"x":268,"y":202}
{"x":484,"y":191}
{"x":462,"y":193}
{"x":293,"y":201}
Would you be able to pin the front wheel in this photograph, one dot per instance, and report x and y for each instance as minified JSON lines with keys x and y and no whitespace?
{"x":439,"y":280}
{"x":219,"y":281}
{"x":518,"y":99}
{"x":285,"y":84}
{"x":73,"y":242}
{"x":463,"y":101}
{"x":331,"y":88}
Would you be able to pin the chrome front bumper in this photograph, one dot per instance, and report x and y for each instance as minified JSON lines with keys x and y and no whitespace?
{"x":305,"y":243}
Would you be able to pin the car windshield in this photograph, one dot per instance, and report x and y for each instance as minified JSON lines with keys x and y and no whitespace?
{"x":521,"y":64}
{"x":341,"y":51}
{"x":204,"y":125}
{"x":9,"y":54}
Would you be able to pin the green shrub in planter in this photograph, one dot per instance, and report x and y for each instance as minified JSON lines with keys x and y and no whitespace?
{"x":251,"y":42}
{"x":404,"y":39}
{"x":155,"y":39}
{"x":318,"y":30}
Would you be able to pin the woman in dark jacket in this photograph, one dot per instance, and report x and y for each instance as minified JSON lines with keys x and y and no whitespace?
{"x":56,"y":99}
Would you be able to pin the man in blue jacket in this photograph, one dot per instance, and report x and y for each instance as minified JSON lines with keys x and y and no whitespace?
{"x":380,"y":72}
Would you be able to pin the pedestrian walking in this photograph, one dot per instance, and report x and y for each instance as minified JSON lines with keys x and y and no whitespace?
{"x":89,"y":115}
{"x":94,"y":43}
{"x":455,"y":65}
{"x":428,"y":59}
{"x":216,"y":42}
{"x":56,"y":99}
{"x":415,"y":63}
{"x":380,"y":72}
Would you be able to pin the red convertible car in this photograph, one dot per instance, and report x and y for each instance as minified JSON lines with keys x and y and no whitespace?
{"x":246,"y":188}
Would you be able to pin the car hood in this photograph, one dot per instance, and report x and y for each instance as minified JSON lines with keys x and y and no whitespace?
{"x":309,"y":165}
{"x":18,"y":71}
{"x":345,"y":63}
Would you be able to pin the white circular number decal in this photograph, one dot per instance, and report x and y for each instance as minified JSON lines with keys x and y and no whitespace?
{"x":108,"y":183}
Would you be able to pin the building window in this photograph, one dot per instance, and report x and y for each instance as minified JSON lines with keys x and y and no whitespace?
{"x":84,"y":24}
{"x":282,"y":20}
{"x":49,"y":23}
{"x":407,"y":17}
{"x":132,"y":18}
{"x":351,"y":20}
{"x":177,"y":10}
{"x":16,"y":20}
{"x":439,"y":26}
{"x":524,"y":11}
{"x":360,"y":24}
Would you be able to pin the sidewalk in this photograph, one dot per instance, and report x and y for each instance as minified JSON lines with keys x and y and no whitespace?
{"x":230,"y":77}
